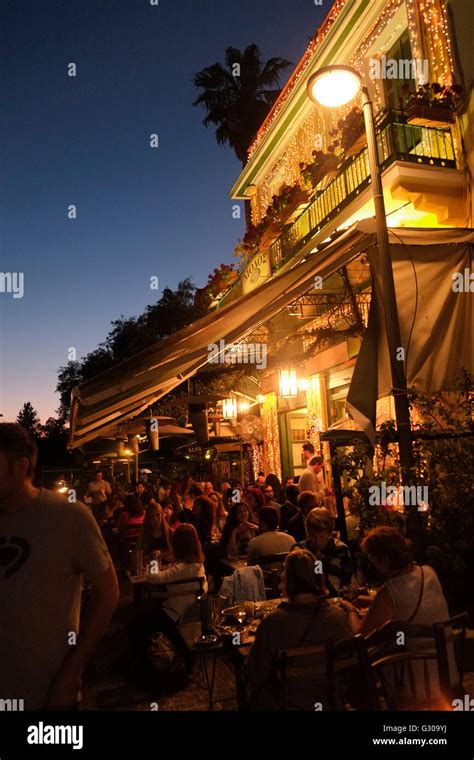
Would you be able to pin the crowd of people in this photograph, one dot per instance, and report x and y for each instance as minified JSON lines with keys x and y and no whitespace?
{"x":52,"y":546}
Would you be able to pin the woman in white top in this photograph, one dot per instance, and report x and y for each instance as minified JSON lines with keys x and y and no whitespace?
{"x":176,"y":608}
{"x":188,"y":563}
{"x":411,"y":593}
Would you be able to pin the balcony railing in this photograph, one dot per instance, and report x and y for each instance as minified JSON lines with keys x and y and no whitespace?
{"x":397,"y":141}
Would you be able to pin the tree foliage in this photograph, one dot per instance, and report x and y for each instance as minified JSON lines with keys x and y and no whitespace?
{"x":29,"y":419}
{"x":130,"y":335}
{"x":238,"y":95}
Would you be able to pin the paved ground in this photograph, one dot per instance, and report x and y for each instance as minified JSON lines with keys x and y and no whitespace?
{"x":109,"y":685}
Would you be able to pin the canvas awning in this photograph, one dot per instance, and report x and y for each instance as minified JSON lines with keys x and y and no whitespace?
{"x":435,"y":319}
{"x":435,"y":306}
{"x":101,"y":405}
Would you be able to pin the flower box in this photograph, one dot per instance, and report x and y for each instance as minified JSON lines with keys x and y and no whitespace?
{"x":430,"y":116}
{"x":320,"y":170}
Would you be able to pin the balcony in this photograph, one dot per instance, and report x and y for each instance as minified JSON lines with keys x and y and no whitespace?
{"x":397,"y":142}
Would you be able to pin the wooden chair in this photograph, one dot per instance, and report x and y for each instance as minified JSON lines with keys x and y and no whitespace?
{"x":272,"y":569}
{"x":298,"y":672}
{"x":405,"y":681}
{"x":451,"y":637}
{"x":344,"y":676}
{"x":401,"y":678}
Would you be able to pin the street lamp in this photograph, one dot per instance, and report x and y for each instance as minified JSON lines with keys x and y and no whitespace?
{"x":334,"y":86}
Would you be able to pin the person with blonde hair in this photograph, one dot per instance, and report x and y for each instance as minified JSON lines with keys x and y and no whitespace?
{"x":306,"y":619}
{"x":155,"y":534}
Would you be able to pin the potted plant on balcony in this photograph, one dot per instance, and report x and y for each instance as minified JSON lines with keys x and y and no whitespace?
{"x":221,"y":279}
{"x":320,"y":171}
{"x":351,"y":132}
{"x":432,"y":105}
{"x":287,"y":204}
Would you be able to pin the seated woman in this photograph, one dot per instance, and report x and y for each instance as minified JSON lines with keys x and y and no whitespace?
{"x":131,"y":519}
{"x":238,"y":531}
{"x":411,"y":593}
{"x":334,"y":554}
{"x":188,"y":564}
{"x":155,"y":534}
{"x":307,"y":619}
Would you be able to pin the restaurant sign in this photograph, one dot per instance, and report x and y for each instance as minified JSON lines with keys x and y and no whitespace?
{"x":206,"y":452}
{"x":256,"y":272}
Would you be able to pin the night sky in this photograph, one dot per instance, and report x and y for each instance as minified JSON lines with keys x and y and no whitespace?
{"x":85,"y":141}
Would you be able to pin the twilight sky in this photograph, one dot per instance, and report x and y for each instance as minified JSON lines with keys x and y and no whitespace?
{"x":85,"y":141}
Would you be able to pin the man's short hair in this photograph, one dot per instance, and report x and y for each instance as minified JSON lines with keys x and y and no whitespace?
{"x":308,"y":500}
{"x":316,"y":460}
{"x":195,"y":490}
{"x":308,"y":447}
{"x":269,"y":516}
{"x":292,"y":492}
{"x":17,"y":442}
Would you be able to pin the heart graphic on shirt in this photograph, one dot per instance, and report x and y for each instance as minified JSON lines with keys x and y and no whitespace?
{"x":14,"y":551}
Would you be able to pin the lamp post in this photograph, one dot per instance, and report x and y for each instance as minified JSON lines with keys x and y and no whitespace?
{"x":334,"y":86}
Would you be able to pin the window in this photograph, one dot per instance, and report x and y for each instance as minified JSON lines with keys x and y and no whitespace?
{"x":400,"y":51}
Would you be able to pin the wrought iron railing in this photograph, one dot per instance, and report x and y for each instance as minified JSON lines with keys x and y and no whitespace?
{"x":397,"y":141}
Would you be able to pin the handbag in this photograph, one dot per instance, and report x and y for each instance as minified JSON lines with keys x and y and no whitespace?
{"x":162,"y":653}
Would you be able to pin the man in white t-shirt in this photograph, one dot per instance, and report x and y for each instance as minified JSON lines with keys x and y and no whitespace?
{"x":48,"y":546}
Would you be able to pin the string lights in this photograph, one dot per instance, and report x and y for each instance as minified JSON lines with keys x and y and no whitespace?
{"x":429,"y":36}
{"x":271,"y":435}
{"x":299,"y":71}
{"x":314,"y":420}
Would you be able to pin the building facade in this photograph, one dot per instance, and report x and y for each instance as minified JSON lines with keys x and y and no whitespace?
{"x":307,"y":179}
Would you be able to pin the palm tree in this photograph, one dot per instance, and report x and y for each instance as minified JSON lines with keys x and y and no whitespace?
{"x":238,"y":98}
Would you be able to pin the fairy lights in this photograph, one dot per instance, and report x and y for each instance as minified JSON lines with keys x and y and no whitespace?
{"x":271,"y":436}
{"x":299,"y":71}
{"x":314,"y":421}
{"x":436,"y":38}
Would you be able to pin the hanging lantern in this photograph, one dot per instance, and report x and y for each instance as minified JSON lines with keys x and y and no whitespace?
{"x":229,"y":408}
{"x":121,"y":447}
{"x":152,"y":433}
{"x":288,"y":383}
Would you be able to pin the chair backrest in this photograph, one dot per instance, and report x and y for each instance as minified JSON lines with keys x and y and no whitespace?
{"x":450,"y":639}
{"x":405,"y":681}
{"x":430,"y":643}
{"x":272,"y":568}
{"x":344,"y":676}
{"x":301,"y":678}
{"x":175,"y":588}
